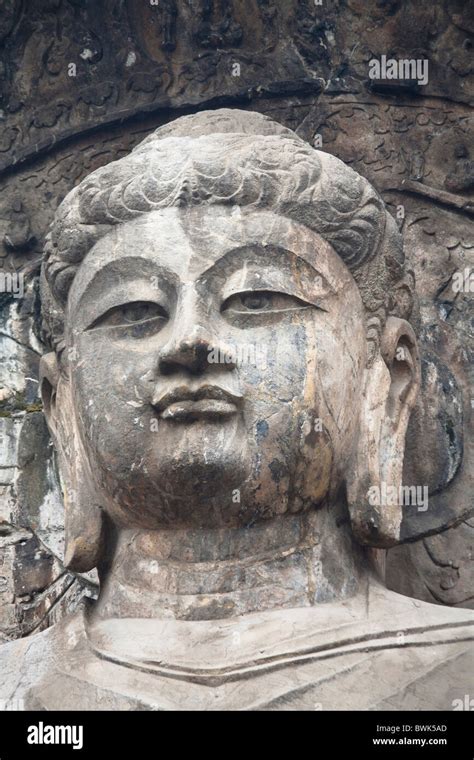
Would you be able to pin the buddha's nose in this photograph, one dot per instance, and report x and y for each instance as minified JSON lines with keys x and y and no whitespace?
{"x":192,"y":346}
{"x":190,"y":353}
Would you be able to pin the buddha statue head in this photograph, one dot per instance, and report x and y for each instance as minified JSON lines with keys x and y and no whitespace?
{"x":227,"y":315}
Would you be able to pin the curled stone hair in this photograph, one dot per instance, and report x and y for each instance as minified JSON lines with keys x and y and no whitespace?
{"x":237,"y":158}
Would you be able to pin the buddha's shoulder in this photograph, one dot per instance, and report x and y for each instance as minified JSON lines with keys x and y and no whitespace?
{"x":382,"y":651}
{"x":416,"y":613}
{"x":26,"y":661}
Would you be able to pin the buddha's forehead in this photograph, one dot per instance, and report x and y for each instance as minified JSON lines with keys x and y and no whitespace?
{"x":189,"y":242}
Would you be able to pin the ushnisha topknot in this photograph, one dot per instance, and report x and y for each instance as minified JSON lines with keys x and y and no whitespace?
{"x":230,"y":157}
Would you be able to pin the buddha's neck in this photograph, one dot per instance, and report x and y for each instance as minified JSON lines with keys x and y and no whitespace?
{"x":289,"y":561}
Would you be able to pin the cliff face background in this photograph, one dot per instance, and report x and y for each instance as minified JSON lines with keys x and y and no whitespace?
{"x":82,"y":82}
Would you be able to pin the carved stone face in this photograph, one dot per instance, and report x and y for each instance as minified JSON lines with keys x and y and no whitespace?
{"x":217,"y":366}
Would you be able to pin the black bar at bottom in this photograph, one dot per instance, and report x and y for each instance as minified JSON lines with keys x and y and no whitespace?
{"x":152,"y":734}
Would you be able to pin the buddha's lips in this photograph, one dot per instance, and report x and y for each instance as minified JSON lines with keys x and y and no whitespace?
{"x":206,"y":401}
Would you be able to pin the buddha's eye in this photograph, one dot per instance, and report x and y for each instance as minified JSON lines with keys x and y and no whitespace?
{"x":256,"y":300}
{"x":140,"y":316}
{"x":139,"y":311}
{"x":261,"y":301}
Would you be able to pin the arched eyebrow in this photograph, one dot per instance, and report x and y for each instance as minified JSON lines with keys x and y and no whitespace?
{"x":258,"y":266}
{"x":126,"y":269}
{"x":261,"y":250}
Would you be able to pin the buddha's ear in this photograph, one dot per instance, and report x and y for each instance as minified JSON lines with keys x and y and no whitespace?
{"x":83,"y":517}
{"x":48,"y":384}
{"x":375,"y":474}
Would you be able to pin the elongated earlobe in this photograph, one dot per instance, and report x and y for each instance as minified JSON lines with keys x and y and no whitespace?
{"x":83,"y":517}
{"x":83,"y":523}
{"x":391,"y":387}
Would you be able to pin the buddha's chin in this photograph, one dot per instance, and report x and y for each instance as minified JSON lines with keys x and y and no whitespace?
{"x":190,"y":487}
{"x":204,"y":475}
